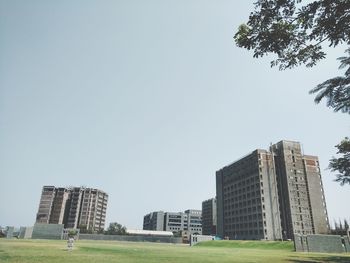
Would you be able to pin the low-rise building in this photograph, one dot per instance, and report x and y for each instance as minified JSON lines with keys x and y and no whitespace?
{"x":190,"y":220}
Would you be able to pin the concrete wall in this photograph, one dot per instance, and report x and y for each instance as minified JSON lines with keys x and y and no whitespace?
{"x":47,"y":231}
{"x":176,"y":240}
{"x":321,"y":243}
{"x":200,"y":238}
{"x":25,"y":232}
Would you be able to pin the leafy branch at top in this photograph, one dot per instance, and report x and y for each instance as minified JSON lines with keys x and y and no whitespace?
{"x":294,"y":32}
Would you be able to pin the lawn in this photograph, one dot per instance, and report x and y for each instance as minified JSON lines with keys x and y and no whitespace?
{"x":112,"y":251}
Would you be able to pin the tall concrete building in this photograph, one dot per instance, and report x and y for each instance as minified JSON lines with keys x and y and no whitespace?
{"x":209,"y":217}
{"x":59,"y":206}
{"x":271,"y":195}
{"x":93,"y":209}
{"x":190,"y":220}
{"x":46,"y":201}
{"x":74,"y":207}
{"x":302,"y":200}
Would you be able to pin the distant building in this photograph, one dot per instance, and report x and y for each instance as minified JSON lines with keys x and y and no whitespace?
{"x":209,"y":217}
{"x":154,"y":221}
{"x":137,"y":232}
{"x":190,"y":220}
{"x":74,"y":207}
{"x":194,"y":221}
{"x":271,"y":195}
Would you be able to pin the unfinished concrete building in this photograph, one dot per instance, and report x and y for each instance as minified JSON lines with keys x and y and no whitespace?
{"x":45,"y":205}
{"x":59,"y":206}
{"x":93,"y":209}
{"x":302,"y":200}
{"x":74,"y":207}
{"x":271,"y":195}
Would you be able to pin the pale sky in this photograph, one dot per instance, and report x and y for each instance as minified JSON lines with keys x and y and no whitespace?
{"x":145,"y":100}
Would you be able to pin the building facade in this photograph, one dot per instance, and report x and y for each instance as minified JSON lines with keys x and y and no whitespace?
{"x":209,"y":217}
{"x":60,"y":199}
{"x":93,"y":209}
{"x":190,"y":221}
{"x":45,"y":206}
{"x":302,"y":200}
{"x":271,"y":195}
{"x":74,"y":207}
{"x":194,"y":221}
{"x":154,"y":221}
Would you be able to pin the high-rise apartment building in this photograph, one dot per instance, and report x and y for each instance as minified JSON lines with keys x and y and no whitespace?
{"x":209,"y":217}
{"x":74,"y":207}
{"x":190,"y":220}
{"x":46,"y":201}
{"x":271,"y":195}
{"x":93,"y":209}
{"x":59,"y":206}
{"x":302,"y":200}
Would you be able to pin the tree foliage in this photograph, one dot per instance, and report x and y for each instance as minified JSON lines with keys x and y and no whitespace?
{"x":295,"y":32}
{"x":342,"y":164}
{"x":340,"y":228}
{"x":72,"y":232}
{"x":336,"y":90}
{"x":116,"y":229}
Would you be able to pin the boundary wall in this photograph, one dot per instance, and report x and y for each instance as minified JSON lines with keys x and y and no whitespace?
{"x":322,"y":243}
{"x":174,"y":240}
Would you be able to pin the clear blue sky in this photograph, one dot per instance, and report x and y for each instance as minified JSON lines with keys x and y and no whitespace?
{"x":145,"y":100}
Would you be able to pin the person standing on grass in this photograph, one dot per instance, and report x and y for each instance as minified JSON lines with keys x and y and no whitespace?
{"x":70,"y":243}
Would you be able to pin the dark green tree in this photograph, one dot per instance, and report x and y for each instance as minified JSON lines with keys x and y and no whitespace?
{"x":342,"y":163}
{"x":340,"y":228}
{"x":295,"y":32}
{"x":336,"y":90}
{"x":116,"y":229}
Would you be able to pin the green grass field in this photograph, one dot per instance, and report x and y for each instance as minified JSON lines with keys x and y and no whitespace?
{"x":112,"y":251}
